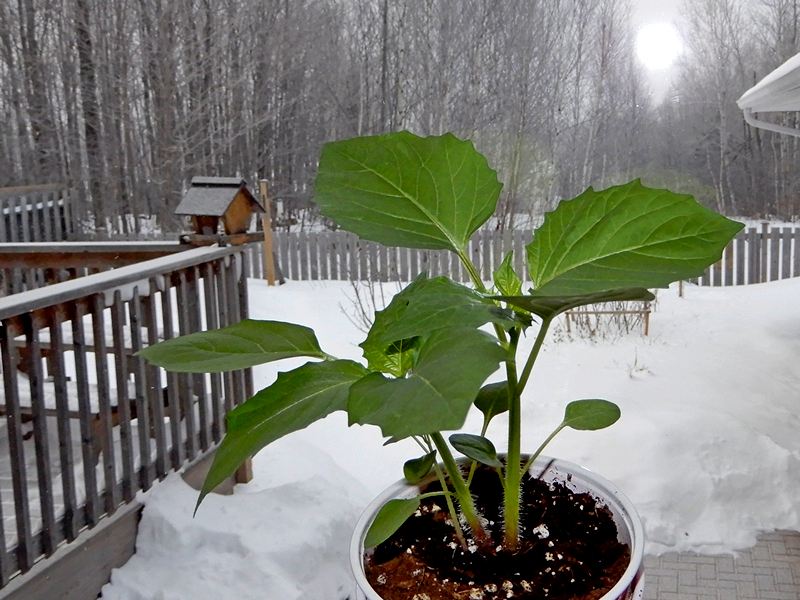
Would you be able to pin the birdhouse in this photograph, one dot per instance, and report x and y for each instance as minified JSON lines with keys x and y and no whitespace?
{"x":214,"y":199}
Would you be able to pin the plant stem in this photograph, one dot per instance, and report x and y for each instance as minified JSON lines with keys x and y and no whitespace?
{"x":536,"y":454}
{"x":461,"y":490}
{"x":473,"y":272}
{"x":451,"y":509}
{"x":513,"y":467}
{"x":513,"y":473}
{"x":537,"y":346}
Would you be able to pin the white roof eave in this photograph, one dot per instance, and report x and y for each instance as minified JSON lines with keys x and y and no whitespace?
{"x":779,"y":91}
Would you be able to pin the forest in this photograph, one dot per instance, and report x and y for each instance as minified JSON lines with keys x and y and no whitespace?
{"x":127,"y":100}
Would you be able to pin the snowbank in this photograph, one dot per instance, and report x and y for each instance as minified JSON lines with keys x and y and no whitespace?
{"x":707,"y":448}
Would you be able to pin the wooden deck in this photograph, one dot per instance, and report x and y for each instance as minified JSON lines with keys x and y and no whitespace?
{"x":85,"y":424}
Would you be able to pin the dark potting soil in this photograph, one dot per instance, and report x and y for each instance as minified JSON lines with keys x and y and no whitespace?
{"x":568,"y":551}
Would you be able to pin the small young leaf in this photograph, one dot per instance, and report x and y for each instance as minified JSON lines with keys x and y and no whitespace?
{"x":449,"y":368}
{"x":244,"y":344}
{"x":477,"y":448}
{"x":506,"y":280}
{"x":389,"y":519}
{"x":589,"y":415}
{"x":492,"y":400}
{"x":416,"y":469}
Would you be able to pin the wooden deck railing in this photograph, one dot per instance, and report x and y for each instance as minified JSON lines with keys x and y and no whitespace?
{"x":88,"y":424}
{"x":30,"y":265}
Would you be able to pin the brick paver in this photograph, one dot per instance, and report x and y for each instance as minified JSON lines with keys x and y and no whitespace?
{"x":768,"y":571}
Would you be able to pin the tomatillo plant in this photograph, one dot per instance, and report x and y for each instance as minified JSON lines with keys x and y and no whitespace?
{"x":426,"y":356}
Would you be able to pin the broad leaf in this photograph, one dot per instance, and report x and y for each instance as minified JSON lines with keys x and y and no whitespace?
{"x":477,"y":448}
{"x":403,"y":190}
{"x":294,"y":401}
{"x":492,"y":400}
{"x":589,"y":415}
{"x":550,"y":306}
{"x":245,"y":344}
{"x":423,"y":306}
{"x":389,"y":519}
{"x":506,"y":280}
{"x":416,"y":469}
{"x":627,"y":236}
{"x":448,"y":370}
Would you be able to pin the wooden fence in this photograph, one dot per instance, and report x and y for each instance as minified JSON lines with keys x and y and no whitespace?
{"x":757,"y":255}
{"x":754,"y":256}
{"x":88,"y":424}
{"x":37,"y":213}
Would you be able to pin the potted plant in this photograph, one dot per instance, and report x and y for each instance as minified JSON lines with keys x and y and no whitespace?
{"x":429,"y":353}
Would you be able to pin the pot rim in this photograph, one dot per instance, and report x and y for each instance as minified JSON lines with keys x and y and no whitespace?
{"x":601,"y":486}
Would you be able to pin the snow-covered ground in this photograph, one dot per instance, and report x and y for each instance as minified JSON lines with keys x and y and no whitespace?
{"x":707,"y":447}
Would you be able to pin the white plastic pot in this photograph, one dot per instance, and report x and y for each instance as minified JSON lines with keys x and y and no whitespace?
{"x":581,"y":480}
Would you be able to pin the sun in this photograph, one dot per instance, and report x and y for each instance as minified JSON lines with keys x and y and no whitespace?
{"x":658,"y":45}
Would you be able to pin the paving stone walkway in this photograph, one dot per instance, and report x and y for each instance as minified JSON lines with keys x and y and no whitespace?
{"x":769,"y":571}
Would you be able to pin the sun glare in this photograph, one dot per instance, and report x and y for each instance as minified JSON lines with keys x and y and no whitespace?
{"x":658,"y":45}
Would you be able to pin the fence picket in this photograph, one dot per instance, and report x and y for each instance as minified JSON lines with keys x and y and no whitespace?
{"x":774,"y":253}
{"x":786,"y":249}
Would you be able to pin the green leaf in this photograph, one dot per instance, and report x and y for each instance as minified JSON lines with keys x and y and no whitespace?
{"x":506,"y":280}
{"x":423,"y":306}
{"x":493,"y":400}
{"x":294,"y":401}
{"x":403,"y":190}
{"x":416,"y":469}
{"x":550,"y":306}
{"x":448,"y":370}
{"x":589,"y":415}
{"x":245,"y":344}
{"x":389,"y":519}
{"x":627,"y":236}
{"x":477,"y":448}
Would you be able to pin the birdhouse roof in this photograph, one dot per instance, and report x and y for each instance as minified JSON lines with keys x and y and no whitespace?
{"x":213,"y":195}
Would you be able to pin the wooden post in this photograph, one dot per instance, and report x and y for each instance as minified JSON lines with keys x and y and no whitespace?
{"x":269,"y":263}
{"x":244,"y":474}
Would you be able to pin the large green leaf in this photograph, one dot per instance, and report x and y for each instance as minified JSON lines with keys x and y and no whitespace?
{"x":238,"y":346}
{"x":293,"y":402}
{"x":550,"y":306}
{"x":403,"y":190}
{"x":448,"y":370}
{"x":627,"y":236}
{"x":423,"y":306}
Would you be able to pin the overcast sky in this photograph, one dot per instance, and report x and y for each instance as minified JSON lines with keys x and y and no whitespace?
{"x":654,"y":11}
{"x":647,"y":11}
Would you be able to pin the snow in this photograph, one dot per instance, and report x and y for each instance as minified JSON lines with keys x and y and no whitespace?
{"x":707,"y":447}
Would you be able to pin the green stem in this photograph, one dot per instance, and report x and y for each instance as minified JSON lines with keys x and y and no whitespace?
{"x":536,"y":454}
{"x":461,"y":490}
{"x":513,"y":473}
{"x":473,"y":272}
{"x":513,"y":470}
{"x":450,"y":508}
{"x":537,"y":346}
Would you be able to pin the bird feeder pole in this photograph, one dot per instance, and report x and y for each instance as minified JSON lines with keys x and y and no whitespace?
{"x":269,"y":263}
